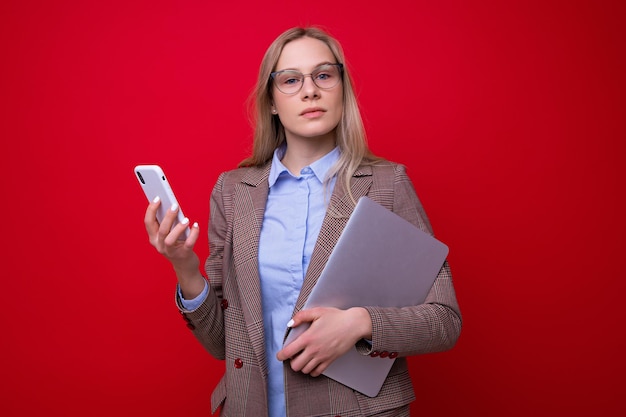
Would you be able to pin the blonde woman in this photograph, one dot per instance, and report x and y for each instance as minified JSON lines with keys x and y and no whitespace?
{"x":273,"y":222}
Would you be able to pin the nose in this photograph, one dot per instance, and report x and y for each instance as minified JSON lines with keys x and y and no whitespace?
{"x":309,"y":88}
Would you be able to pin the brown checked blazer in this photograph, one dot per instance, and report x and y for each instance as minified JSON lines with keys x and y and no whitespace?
{"x":229,"y":324}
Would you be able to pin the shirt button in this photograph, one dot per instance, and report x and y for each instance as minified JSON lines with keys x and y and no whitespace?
{"x":393,"y":355}
{"x":238,"y":363}
{"x":384,"y":354}
{"x":374,"y":354}
{"x":224,"y":304}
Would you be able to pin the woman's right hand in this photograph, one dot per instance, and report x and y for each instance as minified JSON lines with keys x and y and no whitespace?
{"x":179,"y":252}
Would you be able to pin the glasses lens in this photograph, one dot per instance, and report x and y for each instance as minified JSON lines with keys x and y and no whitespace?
{"x":326,"y":76}
{"x":289,"y":82}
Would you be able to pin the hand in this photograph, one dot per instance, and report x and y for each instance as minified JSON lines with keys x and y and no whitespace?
{"x":332,"y":333}
{"x":179,"y":252}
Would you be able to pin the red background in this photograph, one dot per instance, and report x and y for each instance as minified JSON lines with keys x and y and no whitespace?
{"x":509,"y":116}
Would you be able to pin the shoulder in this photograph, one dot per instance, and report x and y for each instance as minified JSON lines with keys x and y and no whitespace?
{"x":383,"y":170}
{"x":253,"y":176}
{"x":395,"y":190}
{"x":239,"y":182}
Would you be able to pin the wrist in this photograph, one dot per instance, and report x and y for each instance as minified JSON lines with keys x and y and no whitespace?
{"x":191,"y":285}
{"x":363,"y":322}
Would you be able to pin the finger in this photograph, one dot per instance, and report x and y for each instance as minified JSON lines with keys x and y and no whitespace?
{"x":299,"y":361}
{"x":304,"y":316}
{"x":290,"y":351}
{"x":312,"y":364}
{"x":168,"y":221}
{"x":319,"y":370}
{"x":309,"y":367}
{"x":150,"y":220}
{"x":193,"y":236}
{"x":177,"y":233}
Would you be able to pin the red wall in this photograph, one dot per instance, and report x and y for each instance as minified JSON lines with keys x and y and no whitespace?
{"x":509,"y":116}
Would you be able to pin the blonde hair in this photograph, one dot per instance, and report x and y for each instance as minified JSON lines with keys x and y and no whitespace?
{"x":269,"y":132}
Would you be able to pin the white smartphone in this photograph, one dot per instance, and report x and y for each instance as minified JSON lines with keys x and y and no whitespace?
{"x":154,"y":183}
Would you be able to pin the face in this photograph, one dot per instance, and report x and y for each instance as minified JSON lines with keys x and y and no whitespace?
{"x":311,"y":113}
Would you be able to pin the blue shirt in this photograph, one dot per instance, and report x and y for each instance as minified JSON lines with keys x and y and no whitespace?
{"x":295,"y":209}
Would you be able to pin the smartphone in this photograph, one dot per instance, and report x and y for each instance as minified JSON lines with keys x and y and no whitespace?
{"x":154,"y":183}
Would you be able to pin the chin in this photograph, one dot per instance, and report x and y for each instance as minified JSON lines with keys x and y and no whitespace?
{"x":319,"y":132}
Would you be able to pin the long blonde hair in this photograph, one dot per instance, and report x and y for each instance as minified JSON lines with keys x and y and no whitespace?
{"x":269,"y":132}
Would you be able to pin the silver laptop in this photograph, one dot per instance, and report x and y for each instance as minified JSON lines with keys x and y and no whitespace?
{"x":382,"y":260}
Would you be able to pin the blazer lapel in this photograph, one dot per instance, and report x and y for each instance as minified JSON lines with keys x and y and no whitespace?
{"x":337,"y":215}
{"x":249,"y":207}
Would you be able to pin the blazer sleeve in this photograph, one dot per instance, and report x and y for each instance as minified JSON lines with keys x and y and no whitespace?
{"x":207,"y":321}
{"x":430,"y":327}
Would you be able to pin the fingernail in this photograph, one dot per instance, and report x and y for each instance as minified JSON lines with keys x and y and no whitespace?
{"x":156,"y":199}
{"x":174,"y":207}
{"x":195,"y":225}
{"x":185,"y":220}
{"x":290,"y":323}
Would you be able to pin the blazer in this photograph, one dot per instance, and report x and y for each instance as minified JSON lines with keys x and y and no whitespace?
{"x":229,"y":323}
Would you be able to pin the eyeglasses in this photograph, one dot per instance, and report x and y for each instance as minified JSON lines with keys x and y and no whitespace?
{"x":325,"y":77}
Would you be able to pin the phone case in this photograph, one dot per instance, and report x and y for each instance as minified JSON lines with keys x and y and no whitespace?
{"x":154,"y":183}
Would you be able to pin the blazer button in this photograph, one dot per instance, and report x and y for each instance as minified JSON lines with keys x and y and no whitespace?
{"x":393,"y":355}
{"x":238,"y":363}
{"x":224,"y":304}
{"x":384,"y":354}
{"x":374,"y":354}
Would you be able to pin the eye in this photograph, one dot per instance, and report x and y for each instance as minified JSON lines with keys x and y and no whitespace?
{"x":289,"y":78}
{"x":325,"y":73}
{"x":323,"y":76}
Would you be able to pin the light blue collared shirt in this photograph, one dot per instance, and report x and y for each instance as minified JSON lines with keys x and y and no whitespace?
{"x":295,"y":209}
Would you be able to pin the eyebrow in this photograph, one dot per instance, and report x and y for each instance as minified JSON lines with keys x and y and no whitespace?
{"x":314,"y":68}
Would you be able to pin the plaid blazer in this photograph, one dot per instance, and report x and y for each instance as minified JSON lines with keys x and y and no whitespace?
{"x":229,"y":324}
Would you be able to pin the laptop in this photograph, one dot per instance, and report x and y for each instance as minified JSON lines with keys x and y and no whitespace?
{"x":380,"y":259}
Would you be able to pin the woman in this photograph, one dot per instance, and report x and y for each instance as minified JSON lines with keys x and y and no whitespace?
{"x":273,"y":223}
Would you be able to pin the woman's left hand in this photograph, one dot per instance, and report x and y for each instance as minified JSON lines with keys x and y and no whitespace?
{"x":332,"y":333}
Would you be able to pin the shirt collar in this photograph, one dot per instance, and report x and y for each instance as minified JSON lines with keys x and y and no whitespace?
{"x":320,"y":167}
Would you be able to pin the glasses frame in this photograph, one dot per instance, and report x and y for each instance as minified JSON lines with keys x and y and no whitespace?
{"x":275,"y":73}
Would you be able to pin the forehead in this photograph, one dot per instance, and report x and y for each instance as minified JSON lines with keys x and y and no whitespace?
{"x":304,"y":54}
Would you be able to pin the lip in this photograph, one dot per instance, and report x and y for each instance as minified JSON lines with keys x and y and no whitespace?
{"x":312,"y":112}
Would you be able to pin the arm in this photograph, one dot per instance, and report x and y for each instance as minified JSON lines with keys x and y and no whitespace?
{"x":207,"y":320}
{"x":180,"y":253}
{"x":332,"y":333}
{"x":430,"y":327}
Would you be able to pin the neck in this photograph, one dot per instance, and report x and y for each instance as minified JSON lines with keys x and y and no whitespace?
{"x":303,"y":152}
